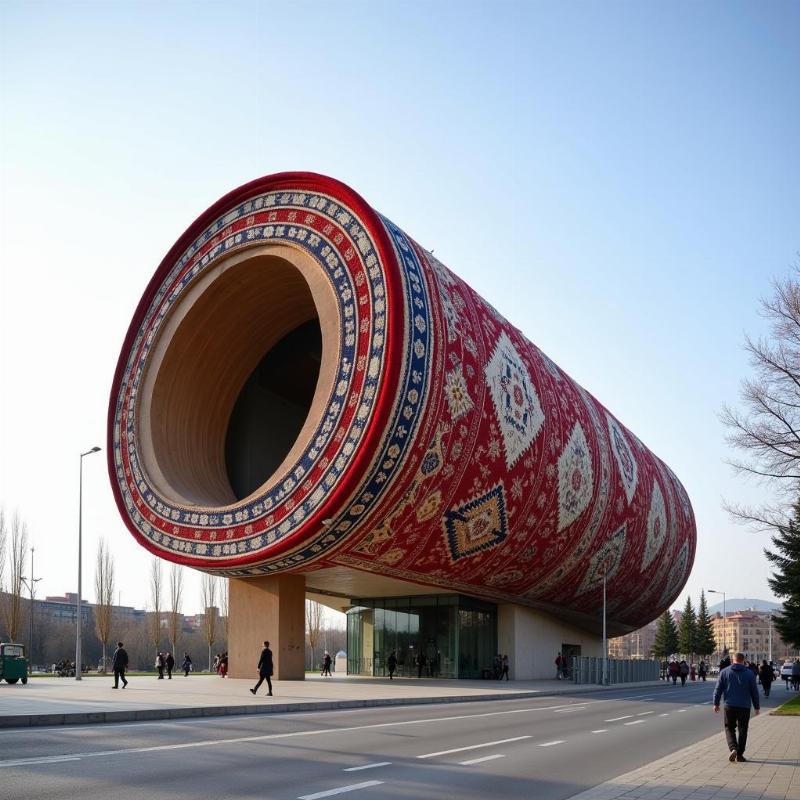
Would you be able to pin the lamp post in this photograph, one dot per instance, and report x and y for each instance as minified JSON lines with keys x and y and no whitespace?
{"x":31,"y":584}
{"x":724,"y":618}
{"x":80,"y":546}
{"x":770,"y":638}
{"x":605,"y":638}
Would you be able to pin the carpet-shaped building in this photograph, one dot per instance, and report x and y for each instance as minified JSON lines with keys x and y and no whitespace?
{"x":311,"y":404}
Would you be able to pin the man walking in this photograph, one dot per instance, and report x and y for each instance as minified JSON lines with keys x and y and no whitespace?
{"x":119,"y":663}
{"x":169,"y":662}
{"x":264,"y":669}
{"x":738,"y":686}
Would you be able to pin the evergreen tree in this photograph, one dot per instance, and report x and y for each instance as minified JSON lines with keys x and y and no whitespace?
{"x":687,"y":630}
{"x":705,"y":643}
{"x":666,"y":642}
{"x":785,"y":581}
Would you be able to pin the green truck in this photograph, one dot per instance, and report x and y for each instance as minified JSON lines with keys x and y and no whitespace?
{"x":13,"y":664}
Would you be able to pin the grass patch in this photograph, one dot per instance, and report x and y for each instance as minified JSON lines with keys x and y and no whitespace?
{"x":791,"y":708}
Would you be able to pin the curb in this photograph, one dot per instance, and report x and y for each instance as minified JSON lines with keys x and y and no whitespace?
{"x":141,"y":715}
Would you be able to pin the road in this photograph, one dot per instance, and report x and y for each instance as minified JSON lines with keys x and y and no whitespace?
{"x":551,"y":747}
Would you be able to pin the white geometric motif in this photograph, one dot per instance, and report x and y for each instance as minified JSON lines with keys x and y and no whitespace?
{"x":656,"y":526}
{"x":605,"y":562}
{"x":455,"y":389}
{"x":575,"y":478}
{"x":624,"y":456}
{"x":676,"y":575}
{"x":515,"y":400}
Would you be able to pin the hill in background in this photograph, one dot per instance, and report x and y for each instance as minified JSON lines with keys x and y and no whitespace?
{"x":744,"y":603}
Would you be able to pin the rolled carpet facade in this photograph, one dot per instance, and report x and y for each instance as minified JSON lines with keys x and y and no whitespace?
{"x":303,"y":386}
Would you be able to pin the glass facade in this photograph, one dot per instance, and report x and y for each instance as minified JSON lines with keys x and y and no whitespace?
{"x":456,"y":636}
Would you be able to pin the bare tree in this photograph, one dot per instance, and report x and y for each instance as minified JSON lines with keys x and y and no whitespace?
{"x":12,"y":607}
{"x":767,"y":428}
{"x":175,"y":596}
{"x":155,"y":602}
{"x":224,"y":598}
{"x":104,"y":595}
{"x":208,"y":589}
{"x":313,"y":625}
{"x":3,"y":539}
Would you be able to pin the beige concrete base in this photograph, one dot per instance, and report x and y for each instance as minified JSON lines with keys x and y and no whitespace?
{"x":271,"y":608}
{"x":532,"y":639}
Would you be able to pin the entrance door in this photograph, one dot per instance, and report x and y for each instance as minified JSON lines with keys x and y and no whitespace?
{"x":568,"y":651}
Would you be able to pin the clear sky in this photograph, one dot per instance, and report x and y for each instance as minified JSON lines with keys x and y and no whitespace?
{"x":621,"y":180}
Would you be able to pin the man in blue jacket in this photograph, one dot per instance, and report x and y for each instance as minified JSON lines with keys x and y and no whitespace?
{"x":737,"y":684}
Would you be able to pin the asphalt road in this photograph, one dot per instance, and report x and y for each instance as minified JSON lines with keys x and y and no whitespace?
{"x":551,"y":747}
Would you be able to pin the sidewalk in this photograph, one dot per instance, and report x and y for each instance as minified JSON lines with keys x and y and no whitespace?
{"x":703,"y":772}
{"x":65,"y":701}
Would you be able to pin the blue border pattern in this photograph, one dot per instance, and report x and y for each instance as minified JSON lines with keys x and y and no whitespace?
{"x":405,"y":414}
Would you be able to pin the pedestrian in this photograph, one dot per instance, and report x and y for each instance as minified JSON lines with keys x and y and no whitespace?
{"x":264,"y":669}
{"x":683,"y":671}
{"x":737,"y":685}
{"x":186,"y":666}
{"x":326,"y":664}
{"x":505,"y":667}
{"x":391,"y":662}
{"x":169,"y":663}
{"x":726,"y":660}
{"x":160,"y":665}
{"x":693,"y":673}
{"x":766,"y":674}
{"x":119,"y":663}
{"x":674,"y":670}
{"x":796,"y":675}
{"x":702,"y":670}
{"x":421,"y":661}
{"x":559,"y":666}
{"x":223,"y":664}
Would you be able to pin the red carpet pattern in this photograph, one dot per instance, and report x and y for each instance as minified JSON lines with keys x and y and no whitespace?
{"x":452,"y":451}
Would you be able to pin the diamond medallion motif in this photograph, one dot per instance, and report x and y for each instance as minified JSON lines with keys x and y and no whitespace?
{"x":656,"y":526}
{"x":575,"y":478}
{"x":516,"y":403}
{"x":477,"y":525}
{"x":605,"y":561}
{"x":624,"y":456}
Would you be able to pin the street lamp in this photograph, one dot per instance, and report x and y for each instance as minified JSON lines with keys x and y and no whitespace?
{"x":605,"y":638}
{"x":31,"y":586}
{"x":80,"y":546}
{"x":724,"y":618}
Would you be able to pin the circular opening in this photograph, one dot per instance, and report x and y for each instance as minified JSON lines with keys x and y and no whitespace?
{"x":237,"y":379}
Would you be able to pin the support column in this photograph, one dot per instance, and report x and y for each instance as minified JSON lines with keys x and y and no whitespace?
{"x":272,"y":608}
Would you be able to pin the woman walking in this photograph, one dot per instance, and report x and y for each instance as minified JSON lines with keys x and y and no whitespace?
{"x":766,"y":675}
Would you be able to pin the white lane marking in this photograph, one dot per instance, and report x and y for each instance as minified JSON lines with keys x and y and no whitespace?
{"x":341,"y":790}
{"x":550,"y":744}
{"x":707,"y":703}
{"x":680,"y":711}
{"x":368,"y":766}
{"x":42,"y":760}
{"x":480,"y":760}
{"x":473,"y":747}
{"x":602,"y":730}
{"x":133,"y":750}
{"x":645,"y":713}
{"x":636,"y":722}
{"x":617,"y":719}
{"x":216,"y":719}
{"x":664,"y":715}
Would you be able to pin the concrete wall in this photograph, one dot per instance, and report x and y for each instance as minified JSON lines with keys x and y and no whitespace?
{"x":271,"y":608}
{"x":532,"y":639}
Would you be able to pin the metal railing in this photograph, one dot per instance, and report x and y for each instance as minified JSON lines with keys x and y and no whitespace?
{"x":587,"y":669}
